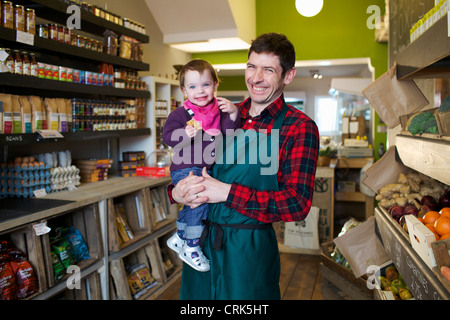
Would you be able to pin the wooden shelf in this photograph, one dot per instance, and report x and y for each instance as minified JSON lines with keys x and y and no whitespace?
{"x":350,"y":196}
{"x":30,"y":138}
{"x":428,"y":56}
{"x":28,"y":85}
{"x":428,"y":156}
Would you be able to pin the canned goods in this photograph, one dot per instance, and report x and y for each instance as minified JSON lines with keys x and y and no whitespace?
{"x":76,"y":76}
{"x":69,"y":74}
{"x":81,"y":41}
{"x":55,"y":72}
{"x":52,"y":31}
{"x":62,"y":73}
{"x":48,"y":71}
{"x":41,"y":70}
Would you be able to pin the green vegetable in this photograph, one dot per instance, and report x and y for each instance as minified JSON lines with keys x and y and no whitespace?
{"x":325,"y":152}
{"x":445,"y":105}
{"x":423,"y":122}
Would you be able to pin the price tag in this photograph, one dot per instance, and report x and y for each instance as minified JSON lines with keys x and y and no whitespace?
{"x":46,"y":134}
{"x":40,"y":193}
{"x":3,"y":55}
{"x":41,"y":229}
{"x":25,"y":37}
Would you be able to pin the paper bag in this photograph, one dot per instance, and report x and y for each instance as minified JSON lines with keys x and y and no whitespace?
{"x":392,"y":98}
{"x":304,"y":234}
{"x":361,"y":247}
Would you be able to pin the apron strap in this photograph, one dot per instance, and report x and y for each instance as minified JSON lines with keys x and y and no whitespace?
{"x":217,"y":245}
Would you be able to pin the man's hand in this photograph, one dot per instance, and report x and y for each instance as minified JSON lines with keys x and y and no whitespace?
{"x":214,"y":190}
{"x":187,"y":189}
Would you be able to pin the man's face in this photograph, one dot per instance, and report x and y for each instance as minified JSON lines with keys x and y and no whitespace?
{"x":263,"y":78}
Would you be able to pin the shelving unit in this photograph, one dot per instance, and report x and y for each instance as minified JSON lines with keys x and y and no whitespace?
{"x":90,"y":208}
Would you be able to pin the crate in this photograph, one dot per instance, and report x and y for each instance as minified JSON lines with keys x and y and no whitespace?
{"x":150,"y":256}
{"x":135,"y":220}
{"x":443,"y":121}
{"x":160,"y":209}
{"x":25,"y":239}
{"x":90,"y":289}
{"x":342,"y":277}
{"x":87,"y":221}
{"x":421,"y":239}
{"x":404,"y":120}
{"x":171,"y":263}
{"x":441,"y":250}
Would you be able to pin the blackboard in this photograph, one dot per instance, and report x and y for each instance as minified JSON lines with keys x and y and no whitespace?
{"x":419,"y":278}
{"x":403,"y":14}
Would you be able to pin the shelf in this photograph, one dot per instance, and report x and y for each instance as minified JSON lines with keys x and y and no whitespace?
{"x":428,"y":56}
{"x":351,"y":196}
{"x":30,"y":138}
{"x":418,"y":276}
{"x":53,"y":46}
{"x":428,"y":156}
{"x":56,"y":11}
{"x":51,"y":86}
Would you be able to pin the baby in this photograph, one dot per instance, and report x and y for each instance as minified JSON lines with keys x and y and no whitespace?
{"x":189,"y":130}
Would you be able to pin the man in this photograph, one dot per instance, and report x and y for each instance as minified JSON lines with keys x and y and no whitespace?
{"x":241,"y":243}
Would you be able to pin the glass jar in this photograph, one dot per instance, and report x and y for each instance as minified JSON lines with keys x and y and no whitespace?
{"x":7,"y":14}
{"x":18,"y":68}
{"x":30,"y":21}
{"x":26,"y":64}
{"x":33,"y":65}
{"x":9,"y":61}
{"x":43,"y":31}
{"x":52,"y":31}
{"x":19,"y":18}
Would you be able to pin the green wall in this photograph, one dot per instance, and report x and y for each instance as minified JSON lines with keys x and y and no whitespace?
{"x":339,"y":31}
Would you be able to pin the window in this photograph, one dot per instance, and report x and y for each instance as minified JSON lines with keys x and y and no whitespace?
{"x":326,"y":115}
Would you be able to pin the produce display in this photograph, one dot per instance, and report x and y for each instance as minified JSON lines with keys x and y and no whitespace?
{"x":392,"y":281}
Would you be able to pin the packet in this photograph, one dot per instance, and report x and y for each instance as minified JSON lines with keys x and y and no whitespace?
{"x":7,"y":113}
{"x":26,"y":114}
{"x":79,"y":247}
{"x":25,"y":279}
{"x":8,"y":287}
{"x":51,"y":109}
{"x":16,"y":114}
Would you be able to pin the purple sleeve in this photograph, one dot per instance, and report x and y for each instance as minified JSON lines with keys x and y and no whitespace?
{"x":176,"y":120}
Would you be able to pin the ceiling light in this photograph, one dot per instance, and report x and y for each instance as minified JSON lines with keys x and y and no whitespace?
{"x":309,"y":8}
{"x":315,"y":74}
{"x":223,"y":44}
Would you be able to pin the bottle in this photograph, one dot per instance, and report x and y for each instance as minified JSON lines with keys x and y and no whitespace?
{"x":26,"y":64}
{"x":10,"y":61}
{"x":111,"y":75}
{"x":18,"y":69}
{"x":33,"y":65}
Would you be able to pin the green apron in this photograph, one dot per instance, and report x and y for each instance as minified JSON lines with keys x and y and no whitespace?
{"x":243,"y":252}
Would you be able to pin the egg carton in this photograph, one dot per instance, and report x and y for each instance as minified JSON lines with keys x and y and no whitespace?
{"x":61,"y":178}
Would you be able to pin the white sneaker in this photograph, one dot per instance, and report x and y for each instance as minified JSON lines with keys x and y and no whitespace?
{"x":200,"y":263}
{"x":175,"y":243}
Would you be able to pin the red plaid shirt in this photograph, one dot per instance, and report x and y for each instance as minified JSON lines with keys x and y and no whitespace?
{"x":299,"y":145}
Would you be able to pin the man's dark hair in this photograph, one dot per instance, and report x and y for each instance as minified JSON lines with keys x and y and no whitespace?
{"x":277,"y":44}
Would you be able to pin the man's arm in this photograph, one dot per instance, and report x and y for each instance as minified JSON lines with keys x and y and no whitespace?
{"x":295,"y":179}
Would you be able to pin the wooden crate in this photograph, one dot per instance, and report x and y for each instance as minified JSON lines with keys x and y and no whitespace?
{"x":90,"y":289}
{"x":171,"y":263}
{"x":25,"y":239}
{"x":136,"y":212}
{"x":342,"y":277}
{"x":87,"y":221}
{"x":148,"y":255}
{"x":160,"y":209}
{"x":441,"y":251}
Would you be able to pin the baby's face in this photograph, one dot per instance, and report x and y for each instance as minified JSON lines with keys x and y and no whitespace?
{"x":199,"y":88}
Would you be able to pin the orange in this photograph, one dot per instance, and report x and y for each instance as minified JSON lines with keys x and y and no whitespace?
{"x":421,"y":220}
{"x":431,"y":217}
{"x":445,"y":212}
{"x":442,"y":225}
{"x":445,"y":236}
{"x":430,"y":226}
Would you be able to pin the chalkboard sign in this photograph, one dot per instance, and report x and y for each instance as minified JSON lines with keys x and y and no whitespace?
{"x":403,"y":14}
{"x":419,"y":278}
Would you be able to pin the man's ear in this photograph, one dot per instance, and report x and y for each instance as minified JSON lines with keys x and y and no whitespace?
{"x":289,"y":76}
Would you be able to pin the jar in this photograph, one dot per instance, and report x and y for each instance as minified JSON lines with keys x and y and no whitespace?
{"x":41,"y":70}
{"x":19,"y":17}
{"x":67,"y":36}
{"x":61,"y":33}
{"x":43,"y":31}
{"x":33,"y":65}
{"x":18,"y":68}
{"x":26,"y":64}
{"x":52,"y":31}
{"x":30,"y":21}
{"x":81,"y":41}
{"x":74,"y":39}
{"x":87,"y":43}
{"x":48,"y":71}
{"x":7,"y":15}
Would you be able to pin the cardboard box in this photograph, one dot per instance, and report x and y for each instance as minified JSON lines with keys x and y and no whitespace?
{"x":156,"y":172}
{"x":323,"y":199}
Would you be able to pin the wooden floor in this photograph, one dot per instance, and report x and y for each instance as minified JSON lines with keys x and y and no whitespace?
{"x":300,"y":279}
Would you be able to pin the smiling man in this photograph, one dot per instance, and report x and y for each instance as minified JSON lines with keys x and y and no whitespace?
{"x":239,"y":239}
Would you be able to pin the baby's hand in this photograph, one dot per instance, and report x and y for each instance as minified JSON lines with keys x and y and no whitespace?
{"x":227,"y":106}
{"x":191,"y":131}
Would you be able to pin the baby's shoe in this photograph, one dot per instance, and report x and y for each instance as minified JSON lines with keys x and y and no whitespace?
{"x":175,"y":242}
{"x":194,"y":257}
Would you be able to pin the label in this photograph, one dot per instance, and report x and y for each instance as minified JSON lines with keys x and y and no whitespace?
{"x":3,"y":55}
{"x":41,"y":228}
{"x":25,"y":37}
{"x":17,"y":122}
{"x":50,"y":134}
{"x":54,"y":118}
{"x":7,"y":122}
{"x":39,"y":193}
{"x":34,"y":71}
{"x":27,"y":122}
